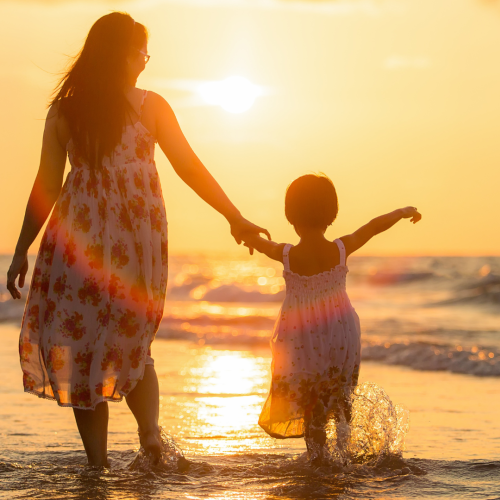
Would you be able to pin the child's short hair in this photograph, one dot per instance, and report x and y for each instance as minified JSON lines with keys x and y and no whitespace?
{"x":311,"y":200}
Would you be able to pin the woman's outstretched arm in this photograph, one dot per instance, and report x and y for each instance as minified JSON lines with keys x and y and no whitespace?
{"x":192,"y":171}
{"x":356,"y":240}
{"x":43,"y":195}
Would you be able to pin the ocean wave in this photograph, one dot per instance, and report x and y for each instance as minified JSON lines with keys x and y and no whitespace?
{"x":184,"y":290}
{"x":233,"y":293}
{"x":475,"y":360}
{"x":433,"y":357}
{"x":479,"y":292}
{"x":251,"y":322}
{"x":485,"y":283}
{"x":203,"y":289}
{"x":389,"y":278}
{"x":214,"y":335}
{"x":204,"y":329}
{"x":11,"y":310}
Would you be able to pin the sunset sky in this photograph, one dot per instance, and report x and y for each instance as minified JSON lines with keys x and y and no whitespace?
{"x":398,"y":101}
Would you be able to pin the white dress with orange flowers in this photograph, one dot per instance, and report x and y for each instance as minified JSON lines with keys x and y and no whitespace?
{"x":316,"y":350}
{"x":98,"y":288}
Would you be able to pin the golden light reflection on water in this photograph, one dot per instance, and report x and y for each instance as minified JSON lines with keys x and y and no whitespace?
{"x":230,"y":388}
{"x":212,"y":397}
{"x":229,"y":372}
{"x":247,"y":275}
{"x":229,"y":415}
{"x":221,"y":311}
{"x":233,"y":495}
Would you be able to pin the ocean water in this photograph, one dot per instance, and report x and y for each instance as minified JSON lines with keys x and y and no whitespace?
{"x":427,"y":412}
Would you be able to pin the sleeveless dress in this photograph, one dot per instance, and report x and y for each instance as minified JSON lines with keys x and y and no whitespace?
{"x":98,"y":288}
{"x":316,"y":350}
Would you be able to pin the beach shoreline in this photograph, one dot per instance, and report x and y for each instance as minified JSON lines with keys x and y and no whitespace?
{"x":210,"y":401}
{"x":213,"y":361}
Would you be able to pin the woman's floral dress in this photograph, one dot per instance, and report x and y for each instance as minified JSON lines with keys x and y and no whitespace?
{"x":98,"y":288}
{"x":316,"y":352}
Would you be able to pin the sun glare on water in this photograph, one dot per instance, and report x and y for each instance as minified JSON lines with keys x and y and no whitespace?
{"x":234,"y":94}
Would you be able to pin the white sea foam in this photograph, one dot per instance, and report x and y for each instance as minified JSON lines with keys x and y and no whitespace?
{"x":255,"y":331}
{"x":376,"y":432}
{"x":432,"y":357}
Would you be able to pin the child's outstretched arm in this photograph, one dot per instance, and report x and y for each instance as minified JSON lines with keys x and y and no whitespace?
{"x":268,"y":247}
{"x":356,"y":240}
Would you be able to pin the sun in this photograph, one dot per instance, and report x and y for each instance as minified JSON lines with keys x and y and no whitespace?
{"x":234,"y":94}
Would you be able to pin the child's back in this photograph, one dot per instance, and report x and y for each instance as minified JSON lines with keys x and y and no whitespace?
{"x":316,"y":350}
{"x":311,"y":257}
{"x":316,"y":339}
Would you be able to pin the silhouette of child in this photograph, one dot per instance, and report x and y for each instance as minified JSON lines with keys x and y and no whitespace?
{"x":316,"y":340}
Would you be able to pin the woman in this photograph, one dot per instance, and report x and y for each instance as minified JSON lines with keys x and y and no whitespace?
{"x":98,"y":288}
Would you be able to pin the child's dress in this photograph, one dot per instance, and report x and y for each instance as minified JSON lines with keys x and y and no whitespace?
{"x":316,"y":350}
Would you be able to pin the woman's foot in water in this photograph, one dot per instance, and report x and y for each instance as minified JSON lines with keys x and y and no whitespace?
{"x":151,"y":443}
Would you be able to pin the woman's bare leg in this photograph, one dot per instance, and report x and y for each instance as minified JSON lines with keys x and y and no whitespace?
{"x":144,"y":402}
{"x":93,"y":428}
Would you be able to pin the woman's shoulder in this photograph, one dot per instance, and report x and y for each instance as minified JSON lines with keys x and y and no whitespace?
{"x":56,"y":121}
{"x":153,"y":96}
{"x":156,"y":105}
{"x":148,"y":97}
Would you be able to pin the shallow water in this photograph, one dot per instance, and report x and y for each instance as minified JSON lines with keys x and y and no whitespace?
{"x":431,"y":340}
{"x":211,"y":398}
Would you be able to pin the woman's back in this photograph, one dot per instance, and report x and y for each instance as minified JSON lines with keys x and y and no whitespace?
{"x":135,"y":146}
{"x":98,"y":288}
{"x":142,"y":109}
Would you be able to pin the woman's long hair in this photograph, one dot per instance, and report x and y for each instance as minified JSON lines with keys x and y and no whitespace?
{"x":91,"y":95}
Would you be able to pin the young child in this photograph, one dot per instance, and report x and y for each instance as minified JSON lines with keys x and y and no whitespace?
{"x":316,"y":339}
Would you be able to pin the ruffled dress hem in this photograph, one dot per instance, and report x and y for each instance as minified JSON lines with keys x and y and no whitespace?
{"x":104,"y":399}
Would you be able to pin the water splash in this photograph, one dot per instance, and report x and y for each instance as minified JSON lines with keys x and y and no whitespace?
{"x":171,"y":459}
{"x":376,"y":433}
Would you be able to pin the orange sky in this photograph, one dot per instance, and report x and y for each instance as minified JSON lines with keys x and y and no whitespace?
{"x":397,"y":101}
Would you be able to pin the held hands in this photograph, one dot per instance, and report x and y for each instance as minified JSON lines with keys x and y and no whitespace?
{"x":241,"y":226}
{"x":411,"y":213}
{"x":19,"y":267}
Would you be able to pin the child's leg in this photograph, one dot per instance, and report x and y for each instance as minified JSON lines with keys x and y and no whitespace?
{"x":347,"y":404}
{"x":93,"y":428}
{"x":315,"y":432}
{"x":348,"y":381}
{"x":342,"y":411}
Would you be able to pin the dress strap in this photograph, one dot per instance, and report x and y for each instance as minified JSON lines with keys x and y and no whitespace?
{"x":341,"y":246}
{"x":144,"y":94}
{"x":286,"y":259}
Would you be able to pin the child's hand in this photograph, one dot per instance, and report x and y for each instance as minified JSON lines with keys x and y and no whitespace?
{"x":270,"y":248}
{"x":411,"y":213}
{"x":249,"y":240}
{"x":240,"y":226}
{"x":250,"y":248}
